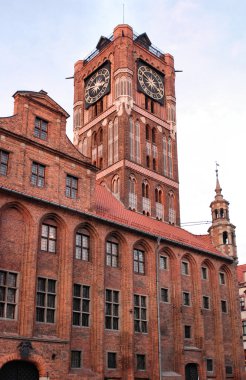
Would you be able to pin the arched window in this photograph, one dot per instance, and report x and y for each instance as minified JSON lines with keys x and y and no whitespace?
{"x":137,"y":141}
{"x":145,"y":189}
{"x":158,"y":195}
{"x":100,"y":135}
{"x":225,"y":237}
{"x":170,"y":158}
{"x":134,"y":136}
{"x":147,"y":135}
{"x":132,"y":184}
{"x":132,"y":193}
{"x":112,"y":252}
{"x":158,"y":203}
{"x":145,"y":198}
{"x":154,"y":164}
{"x":171,"y":213}
{"x":110,"y":143}
{"x":94,"y":139}
{"x":216,"y":214}
{"x":222,"y":215}
{"x":82,"y":244}
{"x":116,"y":186}
{"x":153,"y":135}
{"x":164,"y":141}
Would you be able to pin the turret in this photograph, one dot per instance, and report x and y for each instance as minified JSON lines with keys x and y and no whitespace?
{"x":222,"y":232}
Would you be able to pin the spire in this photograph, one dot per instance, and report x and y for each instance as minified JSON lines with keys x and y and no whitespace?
{"x":218,"y":188}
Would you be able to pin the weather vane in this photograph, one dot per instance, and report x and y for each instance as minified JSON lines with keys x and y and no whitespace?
{"x":216,"y":170}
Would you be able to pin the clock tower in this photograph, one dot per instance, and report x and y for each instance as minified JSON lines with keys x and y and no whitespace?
{"x":125,"y":121}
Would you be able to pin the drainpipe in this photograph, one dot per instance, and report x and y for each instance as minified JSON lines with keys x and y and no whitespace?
{"x":158,"y":304}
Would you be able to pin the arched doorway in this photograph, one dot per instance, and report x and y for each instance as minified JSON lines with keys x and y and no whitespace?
{"x":191,"y":371}
{"x":19,"y":370}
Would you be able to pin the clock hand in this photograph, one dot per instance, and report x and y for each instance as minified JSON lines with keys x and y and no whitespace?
{"x":96,"y":85}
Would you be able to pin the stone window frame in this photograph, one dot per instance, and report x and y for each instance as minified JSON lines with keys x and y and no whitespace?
{"x":40,"y":128}
{"x":38,"y":174}
{"x":71,"y":186}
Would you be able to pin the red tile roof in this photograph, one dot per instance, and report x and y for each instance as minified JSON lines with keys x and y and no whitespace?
{"x":240,"y":272}
{"x":108,"y":207}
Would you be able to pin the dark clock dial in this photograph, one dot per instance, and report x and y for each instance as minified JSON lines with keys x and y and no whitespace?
{"x":150,"y":82}
{"x":97,"y":85}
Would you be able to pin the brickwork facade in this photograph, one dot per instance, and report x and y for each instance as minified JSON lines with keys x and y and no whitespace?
{"x":92,"y":289}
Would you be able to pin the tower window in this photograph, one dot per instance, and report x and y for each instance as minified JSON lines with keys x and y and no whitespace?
{"x":154,"y":164}
{"x":187,"y":332}
{"x":154,"y":136}
{"x":223,"y":306}
{"x":225,"y":237}
{"x":186,"y":298}
{"x":147,"y":132}
{"x":147,"y":162}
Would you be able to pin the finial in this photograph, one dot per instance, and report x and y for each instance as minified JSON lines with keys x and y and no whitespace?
{"x":218,"y":188}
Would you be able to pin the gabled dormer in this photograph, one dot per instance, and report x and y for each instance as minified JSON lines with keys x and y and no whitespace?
{"x":222,"y":231}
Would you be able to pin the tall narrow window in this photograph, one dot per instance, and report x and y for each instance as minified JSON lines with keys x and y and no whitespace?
{"x":205,"y":302}
{"x":37,"y":176}
{"x":164,"y":295}
{"x":8,"y":294}
{"x":139,"y":261}
{"x":81,"y":305}
{"x":112,"y":253}
{"x":137,"y":141}
{"x":186,"y":298}
{"x":71,"y":186}
{"x":132,"y":193}
{"x":185,"y":267}
{"x":204,"y":273}
{"x":46,"y":300}
{"x":210,"y":365}
{"x":82,"y":248}
{"x":153,"y":135}
{"x":140,"y":313}
{"x":225,"y":237}
{"x":164,"y":141}
{"x":141,"y":362}
{"x":163,"y":262}
{"x":111,"y":360}
{"x":112,"y":309}
{"x":187,"y":332}
{"x":110,"y":143}
{"x":4,"y":157}
{"x":223,"y":306}
{"x":116,"y":186}
{"x":147,"y":134}
{"x":170,"y":158}
{"x":244,"y":327}
{"x":75,"y":359}
{"x":48,"y":238}
{"x":222,"y":278}
{"x":40,"y":128}
{"x":171,"y":213}
{"x":116,"y":139}
{"x":132,"y":150}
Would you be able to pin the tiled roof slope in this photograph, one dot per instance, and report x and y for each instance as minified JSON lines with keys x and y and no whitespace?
{"x":240,"y":272}
{"x":108,"y":207}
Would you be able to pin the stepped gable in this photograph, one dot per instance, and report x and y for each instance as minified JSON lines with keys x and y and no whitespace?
{"x":111,"y":209}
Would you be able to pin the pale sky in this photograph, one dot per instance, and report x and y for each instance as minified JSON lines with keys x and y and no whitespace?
{"x":41,"y":40}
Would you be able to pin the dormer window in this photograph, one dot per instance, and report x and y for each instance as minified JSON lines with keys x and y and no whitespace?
{"x":41,"y":129}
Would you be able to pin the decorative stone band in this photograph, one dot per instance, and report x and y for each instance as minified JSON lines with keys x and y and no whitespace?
{"x":97,"y":119}
{"x":123,"y":70}
{"x":138,"y":168}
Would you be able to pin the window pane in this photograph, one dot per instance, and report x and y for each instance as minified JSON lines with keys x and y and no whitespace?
{"x":86,"y":291}
{"x":51,"y":301}
{"x":76,"y":304}
{"x":2,"y":294}
{"x":50,"y":316}
{"x":40,"y":299}
{"x":115,"y":323}
{"x":86,"y":306}
{"x":11,"y":279}
{"x":85,"y":320}
{"x":51,"y":286}
{"x":44,"y":230}
{"x":41,"y":284}
{"x":52,"y":232}
{"x":10,"y":311}
{"x":108,"y":295}
{"x":76,"y":319}
{"x":78,"y":253}
{"x":44,"y":244}
{"x":2,"y":278}
{"x":52,"y":245}
{"x":85,"y":241}
{"x":76,"y":290}
{"x":39,"y":315}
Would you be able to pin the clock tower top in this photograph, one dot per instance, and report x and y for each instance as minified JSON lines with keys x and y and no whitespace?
{"x":125,"y":121}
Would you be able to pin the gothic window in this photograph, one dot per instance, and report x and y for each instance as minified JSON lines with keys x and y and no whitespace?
{"x":71,"y":186}
{"x":222,"y":278}
{"x":112,"y":309}
{"x":112,"y":253}
{"x":171,"y":213}
{"x":140,"y":313}
{"x":116,"y":186}
{"x":8,"y":294}
{"x":158,"y":195}
{"x":94,"y":139}
{"x":145,"y":189}
{"x":81,"y":305}
{"x":38,"y":174}
{"x":48,"y":237}
{"x":132,"y":193}
{"x":137,"y":128}
{"x":4,"y":157}
{"x":164,"y":141}
{"x":158,"y":203}
{"x":154,"y":164}
{"x":147,"y":132}
{"x":147,"y":162}
{"x":116,"y":139}
{"x":170,"y":158}
{"x":46,"y":300}
{"x":110,"y":143}
{"x":82,"y":245}
{"x":84,"y":146}
{"x":41,"y":128}
{"x":153,"y":135}
{"x":100,"y":135}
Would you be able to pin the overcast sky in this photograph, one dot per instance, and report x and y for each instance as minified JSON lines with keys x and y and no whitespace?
{"x":41,"y":40}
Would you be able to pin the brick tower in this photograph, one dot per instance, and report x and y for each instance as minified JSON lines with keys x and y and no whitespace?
{"x":222,"y":232}
{"x":125,"y":121}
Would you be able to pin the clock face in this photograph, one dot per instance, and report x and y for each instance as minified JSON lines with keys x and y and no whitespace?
{"x":97,"y":85}
{"x":150,"y":83}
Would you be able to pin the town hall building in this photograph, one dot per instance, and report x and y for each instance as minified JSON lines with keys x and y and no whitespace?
{"x":97,"y":278}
